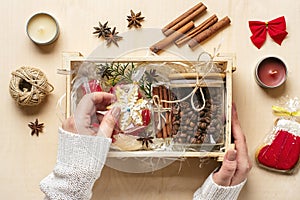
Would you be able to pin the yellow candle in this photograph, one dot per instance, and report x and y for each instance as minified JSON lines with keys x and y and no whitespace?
{"x":42,"y":29}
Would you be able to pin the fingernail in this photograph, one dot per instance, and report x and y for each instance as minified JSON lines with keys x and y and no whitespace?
{"x":115,"y":112}
{"x":234,"y":107}
{"x":231,"y":155}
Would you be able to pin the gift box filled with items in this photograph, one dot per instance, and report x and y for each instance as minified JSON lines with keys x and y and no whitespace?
{"x":169,"y":108}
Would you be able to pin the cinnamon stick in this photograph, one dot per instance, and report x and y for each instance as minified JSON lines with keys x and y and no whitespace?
{"x":166,"y":105}
{"x":170,"y":39}
{"x":155,"y":91}
{"x":184,"y":19}
{"x":159,"y":134}
{"x":168,"y":113}
{"x":164,"y":128}
{"x":192,"y":33}
{"x":209,"y":32}
{"x":165,"y":96}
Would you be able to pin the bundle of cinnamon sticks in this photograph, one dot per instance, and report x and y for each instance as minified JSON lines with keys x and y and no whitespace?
{"x":182,"y":30}
{"x":163,"y":93}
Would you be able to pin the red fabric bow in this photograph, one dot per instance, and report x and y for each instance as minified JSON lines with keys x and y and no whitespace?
{"x":275,"y":28}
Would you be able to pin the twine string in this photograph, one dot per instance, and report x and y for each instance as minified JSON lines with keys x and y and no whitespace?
{"x":158,"y":102}
{"x":160,"y":110}
{"x":38,"y":89}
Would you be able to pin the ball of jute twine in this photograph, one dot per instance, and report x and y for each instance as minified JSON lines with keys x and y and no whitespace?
{"x":29,"y":86}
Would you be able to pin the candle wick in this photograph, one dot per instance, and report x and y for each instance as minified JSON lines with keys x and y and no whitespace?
{"x":273,"y":72}
{"x":41,"y":30}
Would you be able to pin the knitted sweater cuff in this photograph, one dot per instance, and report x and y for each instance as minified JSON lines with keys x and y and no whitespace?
{"x":82,"y":151}
{"x":211,"y":191}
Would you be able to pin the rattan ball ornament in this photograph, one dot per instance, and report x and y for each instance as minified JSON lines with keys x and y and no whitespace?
{"x":29,"y":86}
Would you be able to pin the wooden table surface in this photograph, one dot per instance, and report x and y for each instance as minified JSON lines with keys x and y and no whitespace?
{"x":26,"y":159}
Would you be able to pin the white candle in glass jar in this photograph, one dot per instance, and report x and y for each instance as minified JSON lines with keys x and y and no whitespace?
{"x":42,"y":29}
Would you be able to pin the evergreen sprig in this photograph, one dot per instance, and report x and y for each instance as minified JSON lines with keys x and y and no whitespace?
{"x":116,"y":72}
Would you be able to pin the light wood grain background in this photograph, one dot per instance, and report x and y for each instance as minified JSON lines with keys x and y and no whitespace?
{"x":25,"y":160}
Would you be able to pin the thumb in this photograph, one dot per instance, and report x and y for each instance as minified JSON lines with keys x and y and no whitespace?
{"x":224,"y":175}
{"x":108,"y":122}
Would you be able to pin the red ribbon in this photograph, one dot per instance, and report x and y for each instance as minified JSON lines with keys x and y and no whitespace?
{"x":275,"y":28}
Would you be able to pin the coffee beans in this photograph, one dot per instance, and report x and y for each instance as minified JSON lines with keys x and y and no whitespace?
{"x":198,"y":127}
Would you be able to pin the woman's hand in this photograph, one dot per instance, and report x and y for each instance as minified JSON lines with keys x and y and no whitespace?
{"x":86,"y":121}
{"x":236,"y":164}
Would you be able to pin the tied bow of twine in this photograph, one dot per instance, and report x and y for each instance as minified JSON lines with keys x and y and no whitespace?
{"x":158,"y":102}
{"x":276,"y":29}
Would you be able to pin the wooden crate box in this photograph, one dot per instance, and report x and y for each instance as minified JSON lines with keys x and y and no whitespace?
{"x":180,"y":127}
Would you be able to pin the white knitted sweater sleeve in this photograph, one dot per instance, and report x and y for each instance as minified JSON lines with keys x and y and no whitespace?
{"x":80,"y":160}
{"x":211,"y":191}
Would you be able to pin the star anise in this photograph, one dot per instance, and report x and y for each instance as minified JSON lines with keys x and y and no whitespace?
{"x":113,"y":37}
{"x":36,"y":128}
{"x":102,"y":30}
{"x":146,"y":140}
{"x":135,"y":19}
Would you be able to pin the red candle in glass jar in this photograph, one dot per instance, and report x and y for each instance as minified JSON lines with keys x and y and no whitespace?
{"x":271,"y":72}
